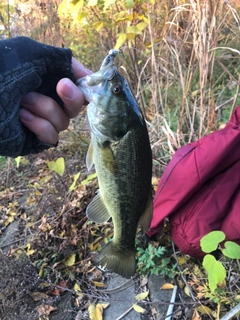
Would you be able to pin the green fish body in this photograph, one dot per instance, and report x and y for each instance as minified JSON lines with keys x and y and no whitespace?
{"x":121,"y":152}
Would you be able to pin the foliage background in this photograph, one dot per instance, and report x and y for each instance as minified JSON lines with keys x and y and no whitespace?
{"x":181,"y":57}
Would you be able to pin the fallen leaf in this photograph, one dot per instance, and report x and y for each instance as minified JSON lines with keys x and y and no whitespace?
{"x":29,"y":252}
{"x":144,"y":282}
{"x":196,"y":315}
{"x":99,"y":284}
{"x":78,"y":290}
{"x":138,"y":309}
{"x":57,"y":166}
{"x":167,"y":286}
{"x":182,"y":260}
{"x":75,"y":178}
{"x":45,"y":310}
{"x":142,"y":296}
{"x":186,"y":290}
{"x":70,"y":260}
{"x":95,"y":312}
{"x":204,"y":310}
{"x":37,"y":296}
{"x":18,"y":160}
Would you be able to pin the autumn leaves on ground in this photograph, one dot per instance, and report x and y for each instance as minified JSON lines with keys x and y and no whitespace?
{"x":50,"y":254}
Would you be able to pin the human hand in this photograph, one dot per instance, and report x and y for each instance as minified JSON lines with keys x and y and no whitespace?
{"x":44,"y":117}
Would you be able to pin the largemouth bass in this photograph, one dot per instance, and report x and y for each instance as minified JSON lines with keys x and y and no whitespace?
{"x":121,"y":152}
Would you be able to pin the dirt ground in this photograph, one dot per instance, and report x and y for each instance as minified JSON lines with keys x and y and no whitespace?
{"x":47,"y":245}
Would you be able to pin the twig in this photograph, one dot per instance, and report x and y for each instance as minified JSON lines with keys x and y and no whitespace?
{"x":125,"y":313}
{"x":183,"y":278}
{"x":120,"y":288}
{"x":10,"y":243}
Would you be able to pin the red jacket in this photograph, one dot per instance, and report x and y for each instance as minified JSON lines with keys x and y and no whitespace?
{"x":200,"y":190}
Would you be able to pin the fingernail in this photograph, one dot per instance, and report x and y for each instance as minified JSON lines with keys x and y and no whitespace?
{"x":25,"y":115}
{"x":29,"y":98}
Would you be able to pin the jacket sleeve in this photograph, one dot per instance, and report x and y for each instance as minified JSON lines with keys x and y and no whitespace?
{"x":25,"y":66}
{"x":197,"y":187}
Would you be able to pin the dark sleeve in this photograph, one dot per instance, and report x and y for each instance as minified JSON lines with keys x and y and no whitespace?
{"x":25,"y":66}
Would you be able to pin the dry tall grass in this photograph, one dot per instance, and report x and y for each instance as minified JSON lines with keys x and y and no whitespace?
{"x":192,"y":72}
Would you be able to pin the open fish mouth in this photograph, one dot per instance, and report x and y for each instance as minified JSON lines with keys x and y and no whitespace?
{"x":97,"y":82}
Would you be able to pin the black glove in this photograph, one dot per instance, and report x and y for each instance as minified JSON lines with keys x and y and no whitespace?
{"x":25,"y":66}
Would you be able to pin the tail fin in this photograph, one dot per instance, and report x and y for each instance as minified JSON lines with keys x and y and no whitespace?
{"x":115,"y":260}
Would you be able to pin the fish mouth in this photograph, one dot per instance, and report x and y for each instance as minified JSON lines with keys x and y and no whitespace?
{"x":97,"y":82}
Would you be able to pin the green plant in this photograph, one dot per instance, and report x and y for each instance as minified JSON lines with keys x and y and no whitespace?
{"x":152,"y":261}
{"x":215,"y":269}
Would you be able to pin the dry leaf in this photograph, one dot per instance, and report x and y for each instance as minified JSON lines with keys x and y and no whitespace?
{"x":78,"y":290}
{"x":182,"y":260}
{"x":45,"y":310}
{"x":37,"y":296}
{"x":142,"y":296}
{"x":204,"y":310}
{"x":167,"y":286}
{"x":138,"y":309}
{"x":144,"y":282}
{"x":196,"y":315}
{"x":70,"y":260}
{"x":99,"y":284}
{"x":186,"y":290}
{"x":95,"y":312}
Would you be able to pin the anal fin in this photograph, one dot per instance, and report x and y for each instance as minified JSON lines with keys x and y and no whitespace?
{"x":146,"y":217}
{"x":97,"y":211}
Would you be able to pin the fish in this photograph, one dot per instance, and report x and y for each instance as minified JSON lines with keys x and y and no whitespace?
{"x":120,"y":150}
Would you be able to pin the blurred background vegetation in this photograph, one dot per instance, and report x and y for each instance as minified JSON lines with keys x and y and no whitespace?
{"x":181,"y":57}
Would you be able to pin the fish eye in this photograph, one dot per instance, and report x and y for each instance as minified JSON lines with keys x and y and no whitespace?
{"x":117,"y":89}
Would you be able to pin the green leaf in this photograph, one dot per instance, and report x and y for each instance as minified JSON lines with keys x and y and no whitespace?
{"x":231,"y":250}
{"x":75,"y":178}
{"x":142,"y":25}
{"x":121,"y":16}
{"x":133,"y":29}
{"x":210,"y":242}
{"x":98,"y":25}
{"x":57,"y":166}
{"x":120,"y":41}
{"x":88,"y":179}
{"x":129,"y":4}
{"x":215,"y":270}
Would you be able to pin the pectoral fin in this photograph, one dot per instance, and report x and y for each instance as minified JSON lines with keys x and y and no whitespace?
{"x":146,"y":217}
{"x":89,"y":157}
{"x":108,"y":158}
{"x":97,"y":211}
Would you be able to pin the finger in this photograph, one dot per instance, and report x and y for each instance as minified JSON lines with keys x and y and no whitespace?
{"x":46,"y":108}
{"x":71,"y":96}
{"x":43,"y":129}
{"x":79,"y":70}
